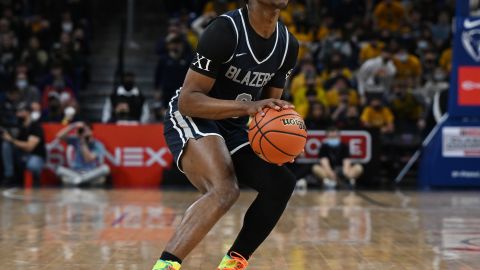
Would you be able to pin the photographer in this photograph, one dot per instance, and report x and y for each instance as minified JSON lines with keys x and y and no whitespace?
{"x":87,"y":165}
{"x":25,"y":150}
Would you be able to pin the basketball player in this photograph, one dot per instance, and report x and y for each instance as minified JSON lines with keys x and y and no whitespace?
{"x":242,"y":62}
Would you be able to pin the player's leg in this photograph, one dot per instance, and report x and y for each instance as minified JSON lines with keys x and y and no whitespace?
{"x":275,"y":185}
{"x":208,"y":165}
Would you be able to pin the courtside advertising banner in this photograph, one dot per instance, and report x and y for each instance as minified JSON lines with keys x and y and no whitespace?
{"x":359,"y":143}
{"x":137,"y":155}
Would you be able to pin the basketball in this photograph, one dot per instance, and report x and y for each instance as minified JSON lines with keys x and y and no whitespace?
{"x":278,"y":136}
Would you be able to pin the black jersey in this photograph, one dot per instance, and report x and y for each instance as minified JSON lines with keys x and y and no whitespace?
{"x":242,"y":62}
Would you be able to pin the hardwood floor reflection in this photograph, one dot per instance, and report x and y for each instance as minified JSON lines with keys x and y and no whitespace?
{"x":121,"y":229}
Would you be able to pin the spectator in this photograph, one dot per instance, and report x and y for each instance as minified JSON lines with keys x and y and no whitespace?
{"x":29,"y":94}
{"x":350,"y":120}
{"x":389,"y":15}
{"x":308,"y":94}
{"x":335,"y":162}
{"x":342,"y":93}
{"x":8,"y":57}
{"x":376,"y":75}
{"x":200,"y":23}
{"x":127,"y":92}
{"x":407,"y":108}
{"x":317,"y":117}
{"x":56,"y":76}
{"x":65,"y":94}
{"x":57,"y":111}
{"x":442,"y":29}
{"x":26,"y":150}
{"x":171,"y":68}
{"x":36,"y":59}
{"x":407,"y":66}
{"x":88,"y":164}
{"x":378,"y":116}
{"x":122,"y":114}
{"x":371,"y":49}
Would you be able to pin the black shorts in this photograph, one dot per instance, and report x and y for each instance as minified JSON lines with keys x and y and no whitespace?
{"x":179,"y":129}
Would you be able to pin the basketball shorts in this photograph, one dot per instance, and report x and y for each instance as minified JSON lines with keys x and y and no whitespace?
{"x":179,"y":129}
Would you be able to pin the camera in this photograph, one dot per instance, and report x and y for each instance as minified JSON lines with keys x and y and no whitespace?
{"x":81,"y":131}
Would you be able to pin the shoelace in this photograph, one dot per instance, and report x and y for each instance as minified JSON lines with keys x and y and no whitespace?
{"x":242,"y":263}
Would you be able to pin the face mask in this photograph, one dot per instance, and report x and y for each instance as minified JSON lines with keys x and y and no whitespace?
{"x":439,"y":76}
{"x":377,"y":107}
{"x":35,"y":115}
{"x":22,"y":84}
{"x":67,"y":27}
{"x":122,"y":115}
{"x":422,"y":44}
{"x":333,"y":142}
{"x":402,"y":57}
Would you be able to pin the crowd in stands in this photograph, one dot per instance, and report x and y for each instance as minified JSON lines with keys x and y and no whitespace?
{"x":362,"y":64}
{"x":44,"y":64}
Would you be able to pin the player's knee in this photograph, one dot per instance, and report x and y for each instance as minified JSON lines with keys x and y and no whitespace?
{"x":282,"y":186}
{"x":225,"y":195}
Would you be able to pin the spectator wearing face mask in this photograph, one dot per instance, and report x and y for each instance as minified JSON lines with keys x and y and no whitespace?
{"x":122,"y":115}
{"x":407,"y":108}
{"x":24,"y":150}
{"x":127,"y":92}
{"x":335,"y":163}
{"x":29,"y":94}
{"x":171,"y":68}
{"x":408,"y":66}
{"x":56,"y":76}
{"x":65,"y":94}
{"x":377,"y":115}
{"x":375,"y":75}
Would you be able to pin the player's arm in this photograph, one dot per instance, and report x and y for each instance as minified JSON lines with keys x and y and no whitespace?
{"x":215,"y":47}
{"x":274,"y":88}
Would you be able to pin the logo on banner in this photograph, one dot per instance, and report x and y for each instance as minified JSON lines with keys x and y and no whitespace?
{"x":469,"y":86}
{"x":471,"y":38}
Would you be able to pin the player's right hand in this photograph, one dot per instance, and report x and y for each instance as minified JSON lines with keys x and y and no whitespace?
{"x":273,"y":103}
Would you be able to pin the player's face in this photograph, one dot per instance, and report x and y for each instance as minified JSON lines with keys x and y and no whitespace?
{"x":277,"y":4}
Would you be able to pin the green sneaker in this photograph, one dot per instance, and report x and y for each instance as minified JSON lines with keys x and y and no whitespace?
{"x":166,"y":265}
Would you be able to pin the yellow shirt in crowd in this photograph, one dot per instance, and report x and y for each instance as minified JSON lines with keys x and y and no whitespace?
{"x":333,"y":97}
{"x":446,"y":60}
{"x":377,"y":118}
{"x":301,"y":103}
{"x":409,"y":68}
{"x":368,"y":51}
{"x":389,"y":16}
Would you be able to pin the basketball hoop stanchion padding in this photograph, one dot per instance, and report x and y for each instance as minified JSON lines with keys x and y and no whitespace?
{"x":452,"y":157}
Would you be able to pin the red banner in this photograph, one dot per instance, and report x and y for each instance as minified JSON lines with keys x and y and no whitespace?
{"x":137,"y":155}
{"x":359,"y":144}
{"x":468,"y":86}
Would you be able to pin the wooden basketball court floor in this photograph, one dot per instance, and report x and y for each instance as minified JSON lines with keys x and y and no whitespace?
{"x":127,"y":229}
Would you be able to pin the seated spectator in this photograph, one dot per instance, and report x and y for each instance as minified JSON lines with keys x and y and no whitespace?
{"x":377,"y":115}
{"x":334,"y":68}
{"x":65,"y":94}
{"x":88,"y":164}
{"x":407,"y":66}
{"x":350,"y":120}
{"x":371,"y":49}
{"x":8,"y":58}
{"x":307,"y":72}
{"x":341,"y":92}
{"x":407,"y":108}
{"x":442,"y":29}
{"x":335,"y":162}
{"x":129,"y":93}
{"x":57,"y":76}
{"x":446,"y":59}
{"x":317,"y":117}
{"x":36,"y":59}
{"x":122,"y":114}
{"x":25,"y":150}
{"x":375,"y":75}
{"x":29,"y":94}
{"x":389,"y":15}
{"x":308,"y":94}
{"x":171,"y":68}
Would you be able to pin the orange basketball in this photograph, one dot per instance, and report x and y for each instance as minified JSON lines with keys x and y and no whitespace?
{"x":278,"y":136}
